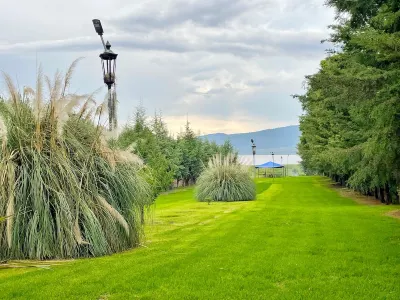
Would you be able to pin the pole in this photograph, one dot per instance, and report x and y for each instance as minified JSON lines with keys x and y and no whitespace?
{"x":104,"y":45}
{"x":254,"y":164}
{"x":287,"y":165}
{"x":273,"y":166}
{"x":110,"y":110}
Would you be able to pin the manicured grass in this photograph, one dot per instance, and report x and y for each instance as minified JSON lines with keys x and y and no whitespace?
{"x":298,"y":240}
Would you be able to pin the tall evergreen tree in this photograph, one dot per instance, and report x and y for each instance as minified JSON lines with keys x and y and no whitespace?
{"x":351,"y":125}
{"x":168,"y":159}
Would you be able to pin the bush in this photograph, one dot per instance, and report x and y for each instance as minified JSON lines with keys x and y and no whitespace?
{"x":225,"y":180}
{"x":64,"y":191}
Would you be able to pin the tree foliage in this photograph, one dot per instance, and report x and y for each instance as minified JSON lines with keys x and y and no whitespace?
{"x":351,"y":125}
{"x":170,"y":159}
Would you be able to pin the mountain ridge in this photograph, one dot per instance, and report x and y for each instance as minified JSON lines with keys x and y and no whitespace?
{"x":281,"y":140}
{"x":251,"y":132}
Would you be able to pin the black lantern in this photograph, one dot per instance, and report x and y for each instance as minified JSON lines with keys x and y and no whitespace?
{"x":109,"y":65}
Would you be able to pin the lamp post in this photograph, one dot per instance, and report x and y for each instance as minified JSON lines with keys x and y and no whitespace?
{"x":273,"y":164}
{"x":109,"y":65}
{"x":287,"y":165}
{"x":253,"y":148}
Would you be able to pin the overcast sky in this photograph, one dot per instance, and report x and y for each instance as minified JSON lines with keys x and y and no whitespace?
{"x":230,"y":65}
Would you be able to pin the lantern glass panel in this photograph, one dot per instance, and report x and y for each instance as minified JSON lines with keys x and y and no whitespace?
{"x":109,"y":64}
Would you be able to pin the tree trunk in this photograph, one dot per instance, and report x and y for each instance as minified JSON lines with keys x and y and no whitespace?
{"x":382,"y":194}
{"x":376,"y":193}
{"x":388,"y":194}
{"x":345,"y":178}
{"x":396,"y":197}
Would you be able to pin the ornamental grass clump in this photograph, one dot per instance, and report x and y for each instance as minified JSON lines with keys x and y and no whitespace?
{"x":64,"y":192}
{"x":225,"y":180}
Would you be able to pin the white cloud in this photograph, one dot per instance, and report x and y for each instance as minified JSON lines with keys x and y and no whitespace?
{"x":238,"y":124}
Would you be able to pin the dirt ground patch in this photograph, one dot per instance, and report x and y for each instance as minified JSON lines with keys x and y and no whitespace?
{"x":361,"y":199}
{"x":357,"y":197}
{"x":394,"y":214}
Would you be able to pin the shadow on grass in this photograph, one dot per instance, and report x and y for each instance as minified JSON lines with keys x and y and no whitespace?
{"x":262,"y":186}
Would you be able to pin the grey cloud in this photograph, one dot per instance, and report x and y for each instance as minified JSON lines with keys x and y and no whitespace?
{"x":210,"y":13}
{"x":261,"y":41}
{"x":274,"y":106}
{"x":201,"y":76}
{"x":302,"y":5}
{"x":74,"y":44}
{"x":157,"y":45}
{"x":242,"y":44}
{"x":259,"y":83}
{"x":187,"y":26}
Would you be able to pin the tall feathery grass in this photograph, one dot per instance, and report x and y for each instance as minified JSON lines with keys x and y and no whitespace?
{"x":64,"y":191}
{"x":225,"y":180}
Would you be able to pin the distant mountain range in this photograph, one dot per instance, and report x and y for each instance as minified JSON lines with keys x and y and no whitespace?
{"x":281,"y":140}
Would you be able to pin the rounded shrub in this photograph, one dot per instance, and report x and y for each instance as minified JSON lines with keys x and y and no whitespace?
{"x":64,"y":192}
{"x":225,"y":180}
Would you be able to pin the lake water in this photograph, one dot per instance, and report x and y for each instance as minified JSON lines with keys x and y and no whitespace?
{"x":260,"y":159}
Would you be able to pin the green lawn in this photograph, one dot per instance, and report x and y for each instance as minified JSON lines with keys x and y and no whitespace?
{"x":299,"y":240}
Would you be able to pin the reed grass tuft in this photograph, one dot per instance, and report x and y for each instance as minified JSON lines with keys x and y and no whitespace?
{"x":225,"y":180}
{"x":64,"y":192}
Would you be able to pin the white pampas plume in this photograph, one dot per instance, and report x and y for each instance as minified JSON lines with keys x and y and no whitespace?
{"x":114,"y":213}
